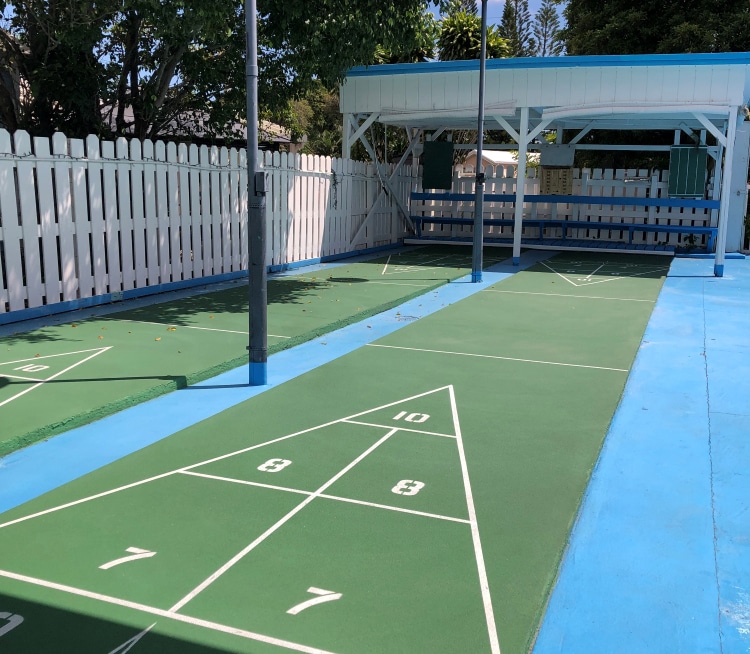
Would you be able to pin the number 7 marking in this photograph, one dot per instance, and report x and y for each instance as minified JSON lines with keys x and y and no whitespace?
{"x":135,"y":554}
{"x":324,"y":596}
{"x":13,"y":622}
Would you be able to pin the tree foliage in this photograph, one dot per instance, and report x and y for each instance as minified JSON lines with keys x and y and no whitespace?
{"x":142,"y":66}
{"x":461,"y":37}
{"x":516,"y":28}
{"x":656,"y":26}
{"x":546,"y":29}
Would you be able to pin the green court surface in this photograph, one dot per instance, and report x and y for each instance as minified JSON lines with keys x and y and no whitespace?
{"x":83,"y":370}
{"x":412,"y":496}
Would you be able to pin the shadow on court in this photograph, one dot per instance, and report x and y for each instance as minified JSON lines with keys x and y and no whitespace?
{"x":30,"y":626}
{"x":180,"y":381}
{"x":230,"y":301}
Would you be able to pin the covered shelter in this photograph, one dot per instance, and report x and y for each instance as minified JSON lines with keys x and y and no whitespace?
{"x":701,"y":97}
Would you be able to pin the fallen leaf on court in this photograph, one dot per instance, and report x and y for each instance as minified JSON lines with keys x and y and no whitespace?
{"x":171,"y":329}
{"x":101,"y":338}
{"x":37,"y":355}
{"x":369,"y":326}
{"x":158,"y":339}
{"x":211,"y":317}
{"x":74,"y":326}
{"x":104,"y":329}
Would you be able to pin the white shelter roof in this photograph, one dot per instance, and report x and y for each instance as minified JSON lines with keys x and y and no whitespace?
{"x":612,"y":92}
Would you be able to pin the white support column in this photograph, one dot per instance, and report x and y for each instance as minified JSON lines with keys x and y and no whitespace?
{"x":523,"y":140}
{"x":346,"y":142}
{"x":726,"y":185}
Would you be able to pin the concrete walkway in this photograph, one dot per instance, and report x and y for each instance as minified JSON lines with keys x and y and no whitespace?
{"x":659,"y":560}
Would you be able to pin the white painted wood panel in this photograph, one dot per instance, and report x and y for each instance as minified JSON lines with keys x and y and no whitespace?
{"x":125,"y":197}
{"x":12,"y":284}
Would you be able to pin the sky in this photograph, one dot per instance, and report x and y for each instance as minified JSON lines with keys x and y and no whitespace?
{"x":495,"y":9}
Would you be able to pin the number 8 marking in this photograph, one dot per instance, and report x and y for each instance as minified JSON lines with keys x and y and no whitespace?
{"x":274,"y":465}
{"x":407,"y":487}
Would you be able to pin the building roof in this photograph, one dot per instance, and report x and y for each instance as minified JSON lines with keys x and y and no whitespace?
{"x":614,"y":92}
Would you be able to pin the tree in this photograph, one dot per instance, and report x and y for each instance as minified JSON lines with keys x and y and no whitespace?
{"x":451,"y":6}
{"x":51,"y":49}
{"x":461,"y":37}
{"x":656,"y":26}
{"x":546,"y":29}
{"x":516,"y":28}
{"x":148,"y":64}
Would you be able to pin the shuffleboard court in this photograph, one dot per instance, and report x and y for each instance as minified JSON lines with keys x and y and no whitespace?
{"x":415,"y":495}
{"x":93,"y":366}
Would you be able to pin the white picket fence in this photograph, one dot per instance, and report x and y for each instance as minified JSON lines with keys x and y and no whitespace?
{"x":85,"y":218}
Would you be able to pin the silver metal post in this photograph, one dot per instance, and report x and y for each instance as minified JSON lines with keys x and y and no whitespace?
{"x":256,"y":213}
{"x":478,"y":244}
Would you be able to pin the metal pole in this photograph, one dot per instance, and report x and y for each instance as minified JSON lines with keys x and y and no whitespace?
{"x":256,"y":212}
{"x":476,"y":259}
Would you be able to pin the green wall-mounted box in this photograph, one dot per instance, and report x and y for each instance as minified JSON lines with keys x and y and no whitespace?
{"x":687,"y":171}
{"x":437,"y":165}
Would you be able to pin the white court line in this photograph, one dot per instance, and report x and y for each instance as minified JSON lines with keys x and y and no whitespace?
{"x":483,"y":580}
{"x":87,"y":499}
{"x":205,"y":329}
{"x":151,"y":610}
{"x":585,"y":297}
{"x":279,"y":523}
{"x":399,"y":284}
{"x":245,"y":482}
{"x":608,"y":279}
{"x":30,"y":379}
{"x":490,"y":356}
{"x":386,"y":265}
{"x":335,"y":498}
{"x":416,"y":431}
{"x":590,"y":275}
{"x":57,"y":374}
{"x":218,"y":458}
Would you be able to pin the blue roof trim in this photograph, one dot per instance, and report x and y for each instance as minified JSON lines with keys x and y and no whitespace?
{"x":701,"y":59}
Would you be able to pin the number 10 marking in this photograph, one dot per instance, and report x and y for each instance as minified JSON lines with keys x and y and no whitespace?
{"x":412,"y":417}
{"x":324,"y":596}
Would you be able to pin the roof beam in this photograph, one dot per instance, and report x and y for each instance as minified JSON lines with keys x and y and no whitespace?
{"x":506,"y":126}
{"x":582,"y":133}
{"x":718,"y":134}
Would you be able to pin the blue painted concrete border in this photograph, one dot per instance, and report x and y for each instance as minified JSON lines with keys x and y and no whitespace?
{"x":659,"y":560}
{"x":37,"y":469}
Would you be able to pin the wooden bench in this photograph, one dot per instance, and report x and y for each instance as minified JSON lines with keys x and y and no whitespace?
{"x":565,"y":224}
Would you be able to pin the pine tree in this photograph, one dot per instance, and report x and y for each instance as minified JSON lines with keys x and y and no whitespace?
{"x":453,"y":6}
{"x":546,"y":30}
{"x":516,"y":28}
